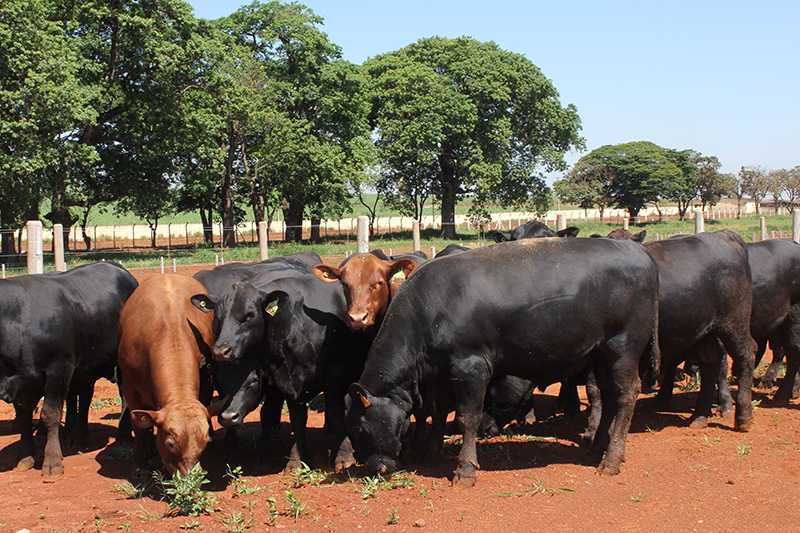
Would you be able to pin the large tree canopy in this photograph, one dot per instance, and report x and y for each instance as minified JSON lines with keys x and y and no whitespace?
{"x":458,"y":116}
{"x":633,"y":174}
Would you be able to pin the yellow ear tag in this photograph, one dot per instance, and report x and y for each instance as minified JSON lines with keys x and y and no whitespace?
{"x":272,"y":308}
{"x":202,"y":303}
{"x":364,"y":400}
{"x":326,"y":274}
{"x":144,"y":418}
{"x":399,"y":275}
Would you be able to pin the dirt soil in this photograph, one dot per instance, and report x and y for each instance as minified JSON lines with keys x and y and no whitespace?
{"x":674,"y":479}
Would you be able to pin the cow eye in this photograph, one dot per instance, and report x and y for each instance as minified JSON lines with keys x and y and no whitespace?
{"x":379,"y":284}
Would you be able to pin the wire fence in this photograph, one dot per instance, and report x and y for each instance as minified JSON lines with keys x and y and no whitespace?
{"x":124,"y":241}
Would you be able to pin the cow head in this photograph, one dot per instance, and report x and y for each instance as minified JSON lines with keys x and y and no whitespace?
{"x":182,"y":432}
{"x":375,"y":426}
{"x":534,"y":229}
{"x":239,"y":321}
{"x":367,"y":285}
{"x":244,"y":383}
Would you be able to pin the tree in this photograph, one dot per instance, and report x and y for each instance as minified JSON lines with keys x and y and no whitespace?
{"x":777,"y":184}
{"x":307,"y":135}
{"x":754,"y":181}
{"x":709,"y":183}
{"x":587,"y":186}
{"x":640,"y":172}
{"x":43,"y":101}
{"x":457,"y":116}
{"x":792,"y":186}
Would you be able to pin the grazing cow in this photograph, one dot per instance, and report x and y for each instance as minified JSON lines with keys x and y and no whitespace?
{"x":163,"y":342}
{"x":622,"y":234}
{"x":296,"y":328}
{"x":451,"y":249}
{"x":58,"y":335}
{"x":540,"y":309}
{"x":533,"y":229}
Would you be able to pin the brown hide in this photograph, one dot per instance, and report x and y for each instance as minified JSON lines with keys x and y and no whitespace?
{"x":368,"y":286}
{"x":161,"y":338}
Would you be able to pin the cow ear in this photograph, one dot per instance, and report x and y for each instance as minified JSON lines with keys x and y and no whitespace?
{"x":144,"y":419}
{"x":272,"y":301}
{"x":501,"y":237}
{"x":406,"y":266}
{"x":326,"y":273}
{"x":571,"y":231}
{"x":203,"y":302}
{"x":639,"y":237}
{"x":216,"y":406}
{"x":358,"y":394}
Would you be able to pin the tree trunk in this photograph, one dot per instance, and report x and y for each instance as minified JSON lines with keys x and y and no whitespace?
{"x":293,"y":216}
{"x":205,"y":220}
{"x":228,"y":220}
{"x":316,"y":235}
{"x":449,"y":183}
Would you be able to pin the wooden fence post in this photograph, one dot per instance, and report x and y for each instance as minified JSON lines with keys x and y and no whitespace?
{"x":58,"y":247}
{"x":415,"y":234}
{"x":362,"y":238}
{"x":262,"y":240}
{"x":699,"y":222}
{"x":35,"y":247}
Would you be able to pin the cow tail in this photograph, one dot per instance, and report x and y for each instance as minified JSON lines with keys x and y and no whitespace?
{"x":652,"y":369}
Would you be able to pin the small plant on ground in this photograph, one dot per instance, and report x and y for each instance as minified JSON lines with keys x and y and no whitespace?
{"x":242,"y":487}
{"x":393,"y":517}
{"x":638,"y":498}
{"x":184,"y":493}
{"x":306,"y":476}
{"x":239,"y":521}
{"x":297,"y":507}
{"x":371,"y":485}
{"x":743,"y":448}
{"x":134,"y":492}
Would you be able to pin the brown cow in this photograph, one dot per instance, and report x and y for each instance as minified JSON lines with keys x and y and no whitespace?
{"x":367,"y":284}
{"x":163,"y":339}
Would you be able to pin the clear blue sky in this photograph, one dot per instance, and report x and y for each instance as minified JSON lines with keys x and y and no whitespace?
{"x":718,"y":77}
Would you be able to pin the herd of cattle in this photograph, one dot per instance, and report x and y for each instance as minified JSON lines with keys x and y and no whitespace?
{"x":475,"y":331}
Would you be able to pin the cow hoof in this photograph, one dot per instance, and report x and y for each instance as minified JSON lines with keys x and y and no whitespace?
{"x":464,"y":482}
{"x":604,"y":470}
{"x":744,"y":426}
{"x":699,"y":422}
{"x":343,"y":463}
{"x":52,"y":471}
{"x":292,"y":465}
{"x":26,"y":463}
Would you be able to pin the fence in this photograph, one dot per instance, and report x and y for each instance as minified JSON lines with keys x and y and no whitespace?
{"x":186,"y":235}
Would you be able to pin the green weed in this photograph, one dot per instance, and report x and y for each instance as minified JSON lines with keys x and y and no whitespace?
{"x":184,"y":493}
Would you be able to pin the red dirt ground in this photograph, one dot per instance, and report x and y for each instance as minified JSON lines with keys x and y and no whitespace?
{"x":675,"y":479}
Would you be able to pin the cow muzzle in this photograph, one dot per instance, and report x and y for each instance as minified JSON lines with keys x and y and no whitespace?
{"x":360,"y":320}
{"x":223,"y":353}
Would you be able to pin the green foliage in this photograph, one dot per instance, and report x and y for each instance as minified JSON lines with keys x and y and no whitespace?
{"x":630,"y":175}
{"x":241,"y":486}
{"x":184,"y":493}
{"x":456,"y":115}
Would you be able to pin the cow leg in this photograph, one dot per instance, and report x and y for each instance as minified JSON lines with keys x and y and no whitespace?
{"x":76,"y":424}
{"x":342,"y":450}
{"x":709,"y":372}
{"x":298,"y":416}
{"x":664,"y":395}
{"x":790,"y":346}
{"x":140,"y":468}
{"x":595,"y":409}
{"x":725,"y":405}
{"x":270,"y":417}
{"x":742,"y":348}
{"x":52,"y":409}
{"x":24,"y":420}
{"x":621,"y":398}
{"x":775,"y":367}
{"x":568,"y":400}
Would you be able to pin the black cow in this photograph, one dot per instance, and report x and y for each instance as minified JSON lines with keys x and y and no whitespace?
{"x":705,"y":298}
{"x":58,"y":335}
{"x":532,"y":230}
{"x":541,"y":309}
{"x":775,"y":316}
{"x":220,"y":279}
{"x":295,"y":327}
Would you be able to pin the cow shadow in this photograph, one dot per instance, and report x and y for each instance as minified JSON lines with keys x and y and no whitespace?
{"x":97,"y":439}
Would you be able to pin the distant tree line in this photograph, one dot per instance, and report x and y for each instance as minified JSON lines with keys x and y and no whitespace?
{"x":632,"y":175}
{"x":140,"y":105}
